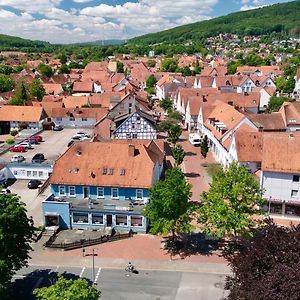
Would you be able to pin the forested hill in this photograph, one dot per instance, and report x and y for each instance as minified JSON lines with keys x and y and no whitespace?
{"x":16,"y":42}
{"x":284,"y":17}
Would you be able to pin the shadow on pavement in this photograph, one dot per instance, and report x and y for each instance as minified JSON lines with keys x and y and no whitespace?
{"x":189,"y":153}
{"x":194,"y":244}
{"x":22,"y":288}
{"x":192,"y":175}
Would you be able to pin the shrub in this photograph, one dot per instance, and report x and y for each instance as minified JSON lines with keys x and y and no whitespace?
{"x":13,"y":132}
{"x":9,"y":141}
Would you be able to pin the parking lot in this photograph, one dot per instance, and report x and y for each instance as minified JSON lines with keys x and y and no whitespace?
{"x":54,"y":144}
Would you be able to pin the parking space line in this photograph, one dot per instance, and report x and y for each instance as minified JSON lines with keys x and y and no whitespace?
{"x":97,"y":275}
{"x":82,"y":271}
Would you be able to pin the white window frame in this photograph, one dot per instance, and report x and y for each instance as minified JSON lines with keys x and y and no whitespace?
{"x":116,"y":189}
{"x":72,"y":195}
{"x":136,"y":194}
{"x":100,"y":189}
{"x":59,"y":192}
{"x":294,"y":193}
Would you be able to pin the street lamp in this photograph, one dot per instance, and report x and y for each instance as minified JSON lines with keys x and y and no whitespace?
{"x":94,"y":265}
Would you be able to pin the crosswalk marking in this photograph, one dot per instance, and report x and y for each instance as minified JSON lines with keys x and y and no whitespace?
{"x":97,"y":275}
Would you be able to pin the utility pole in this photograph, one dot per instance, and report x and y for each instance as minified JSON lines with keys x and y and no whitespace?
{"x":93,"y":266}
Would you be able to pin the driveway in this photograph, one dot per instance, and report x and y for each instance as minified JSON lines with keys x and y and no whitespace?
{"x":55,"y":143}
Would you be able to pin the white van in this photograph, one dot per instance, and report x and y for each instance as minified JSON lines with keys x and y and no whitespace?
{"x":195,"y":139}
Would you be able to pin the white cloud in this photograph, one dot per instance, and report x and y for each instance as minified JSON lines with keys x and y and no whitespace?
{"x":99,"y":21}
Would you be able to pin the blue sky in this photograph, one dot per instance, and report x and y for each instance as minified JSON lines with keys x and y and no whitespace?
{"x":71,"y":21}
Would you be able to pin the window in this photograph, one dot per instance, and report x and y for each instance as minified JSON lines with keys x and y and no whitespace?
{"x":71,"y":119}
{"x":72,"y":192}
{"x":15,"y":172}
{"x":136,"y":221}
{"x":80,"y":218}
{"x":40,"y":173}
{"x":34,"y":174}
{"x":61,"y":190}
{"x":100,"y":192}
{"x":296,"y":178}
{"x":84,"y":119}
{"x":97,"y":219}
{"x":128,"y":135}
{"x":134,"y":135}
{"x":121,"y":220}
{"x":110,"y":171}
{"x":115,"y":193}
{"x":28,"y":173}
{"x":104,"y":171}
{"x":139,"y":194}
{"x":294,"y":193}
{"x":122,"y":172}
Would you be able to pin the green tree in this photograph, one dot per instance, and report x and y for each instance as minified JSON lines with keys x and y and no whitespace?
{"x":7,"y":70}
{"x":285,"y":85}
{"x":166,"y":104}
{"x":68,"y":289}
{"x":6,"y":84}
{"x":63,"y":58}
{"x":45,"y":70}
{"x":174,"y":133}
{"x":120,"y":67}
{"x":64,"y":69}
{"x":232,"y":201}
{"x":175,"y":115}
{"x":169,"y":65}
{"x":275,"y":103}
{"x":151,"y":63}
{"x":170,"y":210}
{"x":20,"y":95}
{"x":178,"y":154}
{"x":151,"y":81}
{"x":36,"y":89}
{"x":204,"y":146}
{"x":16,"y":231}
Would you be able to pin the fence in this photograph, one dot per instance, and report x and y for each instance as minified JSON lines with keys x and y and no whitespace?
{"x":87,"y":242}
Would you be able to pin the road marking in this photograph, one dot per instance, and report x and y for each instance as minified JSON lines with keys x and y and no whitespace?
{"x":97,"y":275}
{"x":82,"y":271}
{"x":38,"y":283}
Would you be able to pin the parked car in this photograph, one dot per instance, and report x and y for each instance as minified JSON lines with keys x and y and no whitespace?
{"x":80,"y":135}
{"x":31,"y":141}
{"x":34,"y":184}
{"x":38,"y":138}
{"x":58,"y":128}
{"x":17,"y":158}
{"x":71,"y":143}
{"x":38,"y":158}
{"x":195,"y":139}
{"x":17,"y":148}
{"x":5,"y":191}
{"x":27,"y":145}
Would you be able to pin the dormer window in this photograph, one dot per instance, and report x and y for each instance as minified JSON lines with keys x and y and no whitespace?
{"x":122,"y":172}
{"x":104,"y":171}
{"x":110,"y":171}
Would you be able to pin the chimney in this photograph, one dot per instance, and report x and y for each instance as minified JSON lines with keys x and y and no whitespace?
{"x":131,"y":150}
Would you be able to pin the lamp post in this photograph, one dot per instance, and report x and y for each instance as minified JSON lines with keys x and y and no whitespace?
{"x":93,"y":266}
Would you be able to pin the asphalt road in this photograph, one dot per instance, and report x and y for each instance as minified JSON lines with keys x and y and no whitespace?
{"x":119,"y":284}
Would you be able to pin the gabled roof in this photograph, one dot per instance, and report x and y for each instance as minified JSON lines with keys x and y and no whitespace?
{"x":281,"y":152}
{"x":75,"y":101}
{"x":96,"y":113}
{"x":83,"y":164}
{"x":290,"y":112}
{"x":53,"y":88}
{"x":84,"y":86}
{"x":21,"y":113}
{"x":268,"y":122}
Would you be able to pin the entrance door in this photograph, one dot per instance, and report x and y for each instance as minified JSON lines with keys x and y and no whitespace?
{"x":86,"y":192}
{"x":108,"y":220}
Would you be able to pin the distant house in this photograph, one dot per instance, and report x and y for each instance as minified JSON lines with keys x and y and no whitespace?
{"x":137,"y":125}
{"x":103,"y":185}
{"x":53,"y":88}
{"x":77,"y":117}
{"x":12,"y":117}
{"x":297,"y":84}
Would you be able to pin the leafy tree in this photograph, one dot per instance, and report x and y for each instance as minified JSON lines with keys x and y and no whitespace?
{"x":19,"y":68}
{"x":186,"y":71}
{"x":232,"y":67}
{"x":151,"y":81}
{"x":178,"y":154}
{"x":166,"y":104}
{"x":63,"y":58}
{"x":175,"y":115}
{"x":36,"y":89}
{"x":174,"y":133}
{"x":6,"y":84}
{"x":267,"y":267}
{"x":204,"y":146}
{"x":169,"y":210}
{"x":275,"y":103}
{"x":7,"y":70}
{"x":285,"y":85}
{"x":169,"y":65}
{"x":45,"y":70}
{"x":16,"y":232}
{"x":64,"y":69}
{"x":120,"y":67}
{"x":151,"y":63}
{"x":229,"y":206}
{"x":68,"y":289}
{"x":20,"y":95}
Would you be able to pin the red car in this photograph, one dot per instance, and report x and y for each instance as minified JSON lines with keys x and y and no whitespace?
{"x":38,"y":138}
{"x":18,"y":149}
